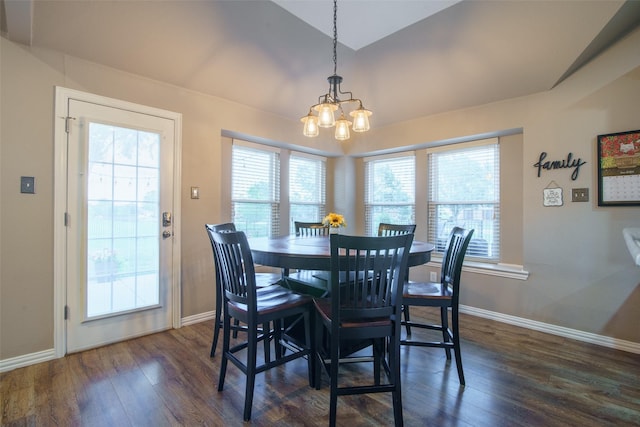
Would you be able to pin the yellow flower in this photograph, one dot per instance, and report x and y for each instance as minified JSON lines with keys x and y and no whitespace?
{"x":334,"y":220}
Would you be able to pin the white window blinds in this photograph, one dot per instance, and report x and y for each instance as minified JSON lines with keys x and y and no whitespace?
{"x":464,"y":191}
{"x":307,"y":183}
{"x":255,"y":189}
{"x":389,"y":191}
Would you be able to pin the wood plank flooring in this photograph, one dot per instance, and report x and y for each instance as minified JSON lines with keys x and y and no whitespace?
{"x":515,"y":377}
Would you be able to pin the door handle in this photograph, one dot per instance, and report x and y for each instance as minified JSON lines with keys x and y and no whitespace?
{"x":166,"y":234}
{"x":166,"y":219}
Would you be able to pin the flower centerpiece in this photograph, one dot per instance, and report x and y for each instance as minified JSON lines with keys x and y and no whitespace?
{"x":334,"y":221}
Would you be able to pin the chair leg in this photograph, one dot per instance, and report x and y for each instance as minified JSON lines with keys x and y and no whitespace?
{"x":266,"y":331}
{"x":335,"y":362}
{"x":456,"y":346}
{"x":317,"y":365}
{"x":226,"y":339}
{"x":310,"y":343}
{"x":394,"y":366}
{"x":444,"y":322}
{"x":217,"y":323}
{"x":378,"y":351}
{"x":405,"y":311}
{"x":216,"y":333}
{"x":236,"y":323}
{"x":252,"y":349}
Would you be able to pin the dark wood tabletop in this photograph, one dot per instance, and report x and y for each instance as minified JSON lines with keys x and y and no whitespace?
{"x":312,"y":253}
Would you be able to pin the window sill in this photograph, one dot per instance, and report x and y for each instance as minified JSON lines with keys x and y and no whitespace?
{"x":509,"y":271}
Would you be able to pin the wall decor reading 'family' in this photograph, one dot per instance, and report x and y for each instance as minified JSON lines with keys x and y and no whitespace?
{"x":619,"y":169}
{"x":569,"y":163}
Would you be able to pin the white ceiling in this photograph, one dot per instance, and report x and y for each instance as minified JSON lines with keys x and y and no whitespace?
{"x":256,"y":53}
{"x":360,"y":23}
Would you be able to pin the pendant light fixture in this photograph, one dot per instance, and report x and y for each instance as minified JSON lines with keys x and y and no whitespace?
{"x":323,"y":113}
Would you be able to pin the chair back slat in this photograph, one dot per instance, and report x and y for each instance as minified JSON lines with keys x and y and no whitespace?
{"x":385,"y":229}
{"x":307,"y":229}
{"x":367,"y":275}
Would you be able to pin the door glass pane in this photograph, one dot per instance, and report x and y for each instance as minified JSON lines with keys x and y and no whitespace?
{"x":123,"y":179}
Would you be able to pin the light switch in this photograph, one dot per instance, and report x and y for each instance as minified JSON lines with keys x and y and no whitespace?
{"x":195,"y":192}
{"x":27,"y":184}
{"x":579,"y":194}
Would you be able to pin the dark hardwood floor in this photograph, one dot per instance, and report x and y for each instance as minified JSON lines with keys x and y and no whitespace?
{"x":515,"y":377}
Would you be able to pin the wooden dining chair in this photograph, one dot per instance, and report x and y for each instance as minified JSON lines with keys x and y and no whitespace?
{"x":307,"y":277}
{"x":367,"y":274}
{"x":262,"y":280}
{"x":306,"y":229}
{"x":445,"y":295}
{"x":385,"y":229}
{"x":271,"y":305}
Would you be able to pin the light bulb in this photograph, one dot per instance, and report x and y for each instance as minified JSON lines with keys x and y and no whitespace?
{"x":342,"y":129}
{"x":360,"y":119}
{"x":325,"y":115}
{"x":310,"y":125}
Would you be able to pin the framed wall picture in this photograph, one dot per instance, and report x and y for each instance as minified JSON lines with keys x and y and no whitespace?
{"x":619,"y":169}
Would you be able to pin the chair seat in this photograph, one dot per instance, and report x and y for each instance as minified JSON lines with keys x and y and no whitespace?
{"x":267,"y":279}
{"x":323,"y":306}
{"x":271,"y":299}
{"x":427,"y":290}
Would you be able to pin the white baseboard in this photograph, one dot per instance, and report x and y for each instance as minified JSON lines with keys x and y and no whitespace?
{"x":629,"y":346}
{"x":26,"y":360}
{"x":197,"y":318}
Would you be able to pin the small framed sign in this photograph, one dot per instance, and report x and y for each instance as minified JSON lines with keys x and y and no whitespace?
{"x":552,"y":195}
{"x":619,"y":169}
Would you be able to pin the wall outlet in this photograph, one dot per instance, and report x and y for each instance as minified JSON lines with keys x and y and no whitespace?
{"x":433,"y":277}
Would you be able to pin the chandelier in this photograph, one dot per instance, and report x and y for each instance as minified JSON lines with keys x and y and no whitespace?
{"x":322,"y":113}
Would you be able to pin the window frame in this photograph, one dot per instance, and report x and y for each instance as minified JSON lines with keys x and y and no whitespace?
{"x":280,"y":218}
{"x":491,"y":210}
{"x":370,"y":205}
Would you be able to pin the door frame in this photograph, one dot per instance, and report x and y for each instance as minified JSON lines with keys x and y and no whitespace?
{"x":62,"y":97}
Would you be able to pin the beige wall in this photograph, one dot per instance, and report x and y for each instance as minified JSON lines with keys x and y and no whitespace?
{"x":581,"y":275}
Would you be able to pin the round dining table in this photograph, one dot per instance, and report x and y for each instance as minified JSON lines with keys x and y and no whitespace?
{"x":312,"y":253}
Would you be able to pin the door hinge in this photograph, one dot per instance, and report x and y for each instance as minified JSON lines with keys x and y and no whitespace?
{"x":66,"y":219}
{"x":66,"y":312}
{"x":67,"y":123}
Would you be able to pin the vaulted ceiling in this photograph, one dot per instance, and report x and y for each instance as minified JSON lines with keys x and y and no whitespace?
{"x":448,"y":56}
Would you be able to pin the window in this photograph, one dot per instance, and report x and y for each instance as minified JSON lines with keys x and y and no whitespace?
{"x":464,"y":191}
{"x":270,"y":187}
{"x":389,"y":191}
{"x":255,"y":189}
{"x":307,"y":176}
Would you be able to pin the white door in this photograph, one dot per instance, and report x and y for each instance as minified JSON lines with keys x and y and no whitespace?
{"x":120,"y":224}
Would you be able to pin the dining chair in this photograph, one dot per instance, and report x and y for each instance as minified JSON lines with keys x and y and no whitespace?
{"x":366,"y":280}
{"x":305,"y":229}
{"x":243,"y":301}
{"x":307,"y":277}
{"x":444,"y":294}
{"x":385,"y":229}
{"x":262,"y":280}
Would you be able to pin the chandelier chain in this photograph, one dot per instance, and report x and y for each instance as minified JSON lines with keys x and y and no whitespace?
{"x":335,"y":37}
